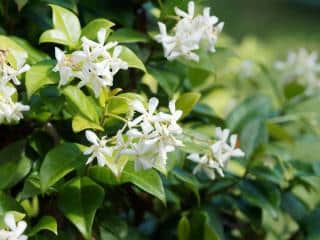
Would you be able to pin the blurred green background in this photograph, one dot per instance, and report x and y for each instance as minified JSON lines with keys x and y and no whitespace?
{"x":277,"y":24}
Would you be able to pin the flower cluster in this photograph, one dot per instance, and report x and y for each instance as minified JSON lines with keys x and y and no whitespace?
{"x":150,"y":136}
{"x":218,"y":156}
{"x":148,"y":139}
{"x":190,"y":33}
{"x":14,"y":229}
{"x":95,"y":65}
{"x":301,"y":67}
{"x":10,"y":111}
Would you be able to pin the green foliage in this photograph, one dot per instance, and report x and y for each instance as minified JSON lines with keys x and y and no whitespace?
{"x":45,"y":178}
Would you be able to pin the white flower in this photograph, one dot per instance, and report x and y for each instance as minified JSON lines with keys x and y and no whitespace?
{"x":147,"y":116}
{"x":63,"y":67}
{"x":168,"y":42}
{"x":98,"y":149}
{"x":189,"y":34}
{"x":172,"y":118}
{"x":205,"y":164}
{"x":301,"y":67}
{"x":93,"y":64}
{"x":115,"y":62}
{"x":144,"y":155}
{"x":187,"y":15}
{"x":222,"y":150}
{"x":153,"y":135}
{"x":95,"y":75}
{"x":166,"y":141}
{"x":10,"y":111}
{"x":15,"y":229}
{"x":8,"y":73}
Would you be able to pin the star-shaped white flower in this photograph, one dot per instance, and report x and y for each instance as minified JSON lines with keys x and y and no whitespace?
{"x":15,"y":229}
{"x":225,"y":147}
{"x":205,"y":164}
{"x":144,"y":155}
{"x":188,"y":15}
{"x":147,"y":116}
{"x":63,"y":67}
{"x":98,"y":149}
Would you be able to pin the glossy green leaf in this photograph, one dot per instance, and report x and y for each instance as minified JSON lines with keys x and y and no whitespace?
{"x":168,"y":81}
{"x":183,"y":229}
{"x":34,"y":55}
{"x":59,"y":162}
{"x":39,"y":75}
{"x":132,"y":59}
{"x":67,"y":29}
{"x":127,"y":35}
{"x":147,"y":180}
{"x":14,"y":165}
{"x":15,"y":49}
{"x":80,"y":123}
{"x":91,"y":29}
{"x":81,"y":103}
{"x":79,"y":200}
{"x":187,"y":101}
{"x":45,"y":223}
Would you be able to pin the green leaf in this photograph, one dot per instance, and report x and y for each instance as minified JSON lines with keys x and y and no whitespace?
{"x":59,"y":162}
{"x":14,"y":165}
{"x":183,"y":229}
{"x":8,"y":204}
{"x":294,"y":206}
{"x":127,"y":35}
{"x":34,"y":55}
{"x":81,"y":103}
{"x":14,"y":48}
{"x":67,"y":29}
{"x":79,"y":200}
{"x":31,"y":187}
{"x":80,"y":123}
{"x":45,"y":223}
{"x":91,"y":29}
{"x":148,"y":180}
{"x":39,"y":75}
{"x":132,"y":59}
{"x":189,"y":180}
{"x":117,"y":105}
{"x":168,"y":81}
{"x":253,"y":135}
{"x":69,"y":4}
{"x":262,"y":195}
{"x":21,"y":4}
{"x":252,"y":107}
{"x":187,"y":101}
{"x":201,"y":227}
